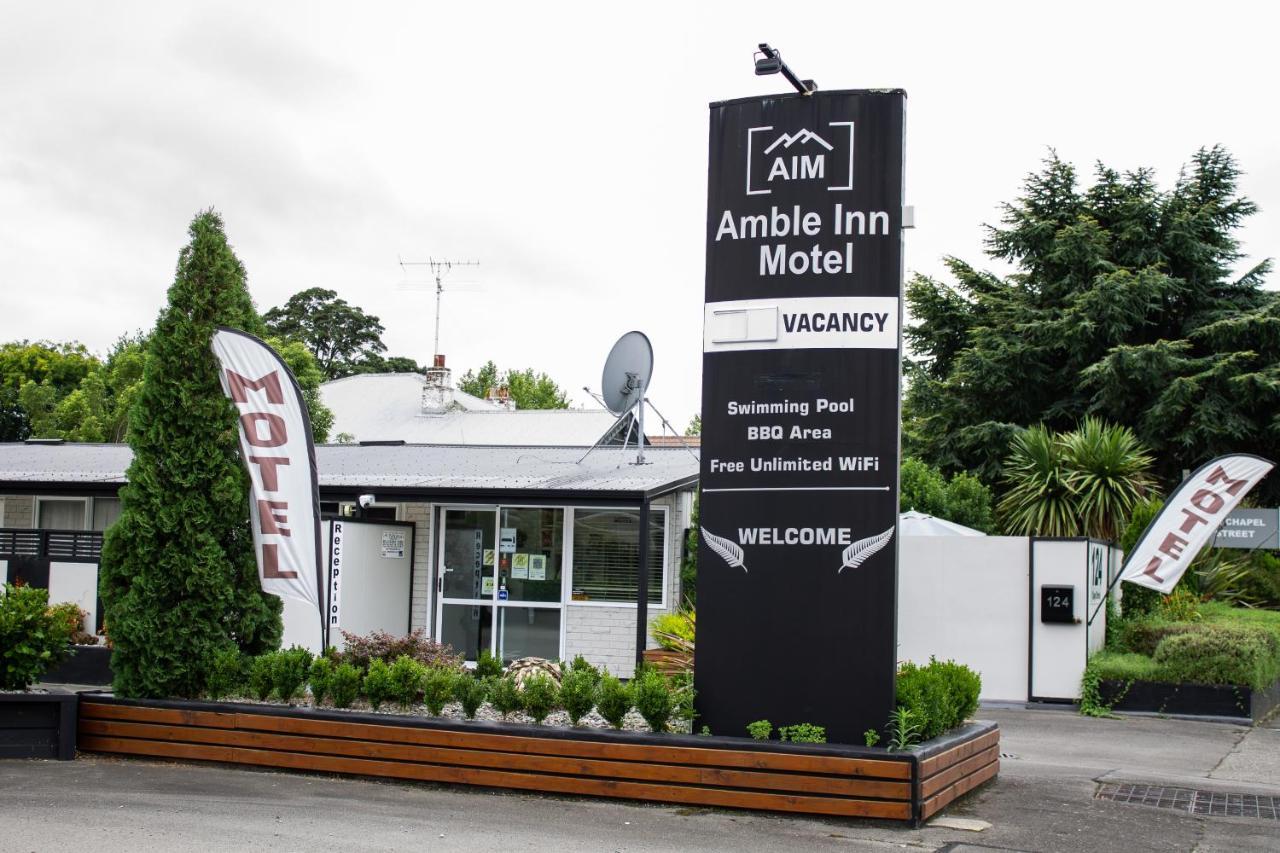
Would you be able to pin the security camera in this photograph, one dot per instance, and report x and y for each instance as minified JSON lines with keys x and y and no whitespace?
{"x":365,"y":501}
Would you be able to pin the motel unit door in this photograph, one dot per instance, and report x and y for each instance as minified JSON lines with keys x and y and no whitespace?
{"x":499,"y":581}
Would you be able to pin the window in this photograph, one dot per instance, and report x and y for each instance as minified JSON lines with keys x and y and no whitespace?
{"x":606,"y":552}
{"x":56,"y":514}
{"x":105,"y":512}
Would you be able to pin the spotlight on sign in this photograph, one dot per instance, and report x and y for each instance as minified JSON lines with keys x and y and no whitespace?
{"x":769,"y":61}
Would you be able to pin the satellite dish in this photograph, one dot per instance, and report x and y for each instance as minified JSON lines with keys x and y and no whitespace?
{"x":626,"y":373}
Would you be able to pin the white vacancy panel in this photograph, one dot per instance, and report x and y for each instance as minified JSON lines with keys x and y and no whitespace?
{"x":965,"y":598}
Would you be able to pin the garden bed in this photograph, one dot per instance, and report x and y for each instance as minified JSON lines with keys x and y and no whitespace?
{"x":1237,"y":701}
{"x":824,"y":779}
{"x":85,"y":665}
{"x":38,"y":724}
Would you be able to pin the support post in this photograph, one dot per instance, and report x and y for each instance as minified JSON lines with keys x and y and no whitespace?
{"x":642,"y":584}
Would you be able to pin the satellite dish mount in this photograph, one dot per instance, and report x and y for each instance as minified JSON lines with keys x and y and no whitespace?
{"x":627,"y":372}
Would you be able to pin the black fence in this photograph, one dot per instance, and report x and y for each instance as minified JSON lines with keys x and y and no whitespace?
{"x":66,"y":545}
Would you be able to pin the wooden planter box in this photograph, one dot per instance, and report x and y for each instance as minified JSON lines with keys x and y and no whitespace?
{"x":38,"y":725}
{"x":1196,"y":700}
{"x":709,"y":771}
{"x":668,"y":662}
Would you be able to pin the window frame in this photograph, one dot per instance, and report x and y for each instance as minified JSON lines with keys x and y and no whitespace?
{"x":661,"y":604}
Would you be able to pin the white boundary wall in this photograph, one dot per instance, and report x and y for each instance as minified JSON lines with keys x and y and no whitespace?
{"x":965,"y":598}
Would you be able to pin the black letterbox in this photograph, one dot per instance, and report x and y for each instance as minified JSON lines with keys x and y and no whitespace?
{"x":1057,"y":604}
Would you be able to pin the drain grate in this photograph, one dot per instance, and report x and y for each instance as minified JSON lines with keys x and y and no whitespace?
{"x":1192,"y":801}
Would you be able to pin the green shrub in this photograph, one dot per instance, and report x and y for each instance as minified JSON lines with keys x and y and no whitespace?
{"x":760,"y":729}
{"x":581,"y":664}
{"x":344,"y":685}
{"x":905,"y":729}
{"x":871,"y":737}
{"x":652,"y":697}
{"x":802,"y":733}
{"x":941,"y":695}
{"x":578,"y":692}
{"x":488,"y":666}
{"x":361,"y":650}
{"x":406,"y":676}
{"x":262,"y":675}
{"x":682,"y":695}
{"x":471,"y":693}
{"x":290,"y":672}
{"x":504,"y":695}
{"x":1138,"y":600}
{"x":319,"y":679}
{"x":672,"y":631}
{"x":613,"y":700}
{"x":32,"y":638}
{"x":539,"y":696}
{"x":377,"y":685}
{"x":1182,"y":605}
{"x":226,"y":674}
{"x":1221,"y":654}
{"x":1124,"y":666}
{"x":1142,"y":634}
{"x":438,"y":687}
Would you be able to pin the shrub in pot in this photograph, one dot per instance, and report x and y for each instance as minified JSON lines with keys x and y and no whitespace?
{"x":613,"y":700}
{"x":226,"y":674}
{"x":262,"y":675}
{"x":407,"y":677}
{"x":578,"y":693}
{"x":652,"y":697}
{"x":290,"y":671}
{"x":471,"y":693}
{"x":344,"y":685}
{"x":32,"y":638}
{"x":377,"y":685}
{"x":438,"y":688}
{"x":539,"y":696}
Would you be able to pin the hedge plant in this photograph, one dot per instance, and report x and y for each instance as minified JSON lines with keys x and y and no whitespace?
{"x":32,"y":637}
{"x":179,"y":576}
{"x":344,"y":685}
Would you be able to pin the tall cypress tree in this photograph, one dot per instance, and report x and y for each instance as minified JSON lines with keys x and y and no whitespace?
{"x":179,"y":579}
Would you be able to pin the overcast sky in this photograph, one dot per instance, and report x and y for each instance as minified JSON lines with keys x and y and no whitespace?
{"x":564,"y":147}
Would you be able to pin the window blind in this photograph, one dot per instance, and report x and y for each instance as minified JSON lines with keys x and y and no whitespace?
{"x":606,"y":553}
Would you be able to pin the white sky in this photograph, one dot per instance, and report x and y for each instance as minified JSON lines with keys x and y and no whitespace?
{"x":563,"y":146}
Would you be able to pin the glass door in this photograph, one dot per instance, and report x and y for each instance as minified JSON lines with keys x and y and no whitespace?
{"x":464,"y":615}
{"x":500,"y":584}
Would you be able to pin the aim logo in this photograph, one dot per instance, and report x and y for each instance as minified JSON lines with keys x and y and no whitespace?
{"x":800,"y":156}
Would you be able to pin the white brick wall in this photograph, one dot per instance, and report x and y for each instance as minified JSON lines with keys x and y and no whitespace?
{"x":19,"y":511}
{"x":421,"y":600}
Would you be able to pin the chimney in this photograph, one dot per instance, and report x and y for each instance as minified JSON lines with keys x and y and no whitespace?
{"x":437,"y":388}
{"x":501,"y":395}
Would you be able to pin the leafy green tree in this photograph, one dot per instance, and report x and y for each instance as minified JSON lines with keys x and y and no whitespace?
{"x":97,"y":409}
{"x":1123,"y":305}
{"x":179,"y":579}
{"x":963,"y":499}
{"x":528,"y":389}
{"x":1083,"y":483}
{"x":339,"y":335}
{"x":375,"y":363}
{"x":15,"y":425}
{"x":302,"y":364}
{"x":695,"y":426}
{"x":60,"y":365}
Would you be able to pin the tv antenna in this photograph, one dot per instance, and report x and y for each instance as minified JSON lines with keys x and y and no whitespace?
{"x":440,"y":267}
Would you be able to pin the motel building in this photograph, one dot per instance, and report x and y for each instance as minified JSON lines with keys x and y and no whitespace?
{"x":489,"y":528}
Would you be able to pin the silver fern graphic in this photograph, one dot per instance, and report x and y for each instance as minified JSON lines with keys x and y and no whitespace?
{"x":859,"y":552}
{"x":726,"y":548}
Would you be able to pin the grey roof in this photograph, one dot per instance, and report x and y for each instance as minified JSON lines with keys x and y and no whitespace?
{"x":406,"y":469}
{"x":388,"y":407}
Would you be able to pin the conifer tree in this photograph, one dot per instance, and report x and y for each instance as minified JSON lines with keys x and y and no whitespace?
{"x":1125,"y":304}
{"x":179,"y":580}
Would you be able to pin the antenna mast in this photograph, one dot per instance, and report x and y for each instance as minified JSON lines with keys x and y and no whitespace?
{"x":440,"y":267}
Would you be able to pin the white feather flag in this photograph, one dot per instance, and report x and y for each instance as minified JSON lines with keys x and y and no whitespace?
{"x":726,"y":548}
{"x":862,"y":550}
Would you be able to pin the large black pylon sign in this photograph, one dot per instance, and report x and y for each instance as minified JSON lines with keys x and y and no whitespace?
{"x":797,"y":562}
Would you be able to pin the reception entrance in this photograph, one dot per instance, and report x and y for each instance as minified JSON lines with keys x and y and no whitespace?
{"x":501,"y":581}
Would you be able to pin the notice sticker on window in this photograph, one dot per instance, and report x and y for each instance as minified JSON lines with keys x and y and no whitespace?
{"x":507,"y":542}
{"x":393,"y":544}
{"x":537,"y":567}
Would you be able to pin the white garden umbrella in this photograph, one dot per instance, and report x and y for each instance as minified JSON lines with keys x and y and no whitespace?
{"x":912,"y":523}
